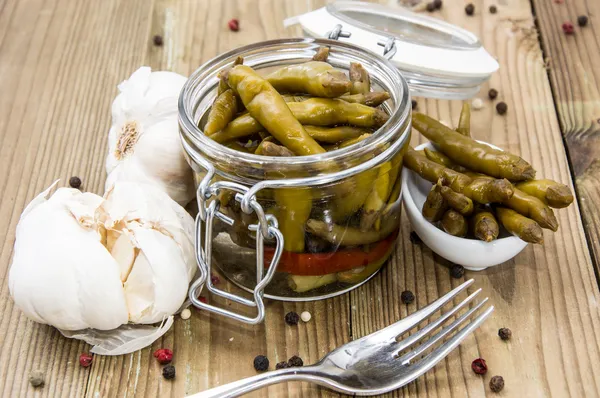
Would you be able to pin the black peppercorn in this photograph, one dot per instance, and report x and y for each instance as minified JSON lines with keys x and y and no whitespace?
{"x":158,"y":40}
{"x":493,"y":9}
{"x":582,"y":20}
{"x":414,"y":238}
{"x":437,"y":4}
{"x":504,"y":333}
{"x":430,"y":7}
{"x":470,"y":9}
{"x":281,"y":365}
{"x":457,"y":271}
{"x":501,"y":108}
{"x":407,"y":297}
{"x":75,"y":182}
{"x":414,"y":104}
{"x":292,"y":318}
{"x":169,"y":372}
{"x":497,"y":383}
{"x":295,"y":361}
{"x":261,"y":363}
{"x":493,"y":93}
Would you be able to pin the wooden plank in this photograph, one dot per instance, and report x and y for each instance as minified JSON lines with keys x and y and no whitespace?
{"x":575,"y":78}
{"x":537,"y":293}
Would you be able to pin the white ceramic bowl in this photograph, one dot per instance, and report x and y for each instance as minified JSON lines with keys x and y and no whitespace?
{"x":474,"y":255}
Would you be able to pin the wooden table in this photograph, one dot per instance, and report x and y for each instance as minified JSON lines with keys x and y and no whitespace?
{"x":60,"y":62}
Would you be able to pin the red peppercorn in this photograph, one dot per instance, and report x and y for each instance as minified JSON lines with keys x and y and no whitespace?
{"x":568,"y":28}
{"x":234,"y":25}
{"x":85,"y":360}
{"x":164,"y":356}
{"x":202,"y":299}
{"x":215,"y":280}
{"x":479,"y":366}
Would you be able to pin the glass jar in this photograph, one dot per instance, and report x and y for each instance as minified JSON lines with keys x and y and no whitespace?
{"x":318,"y":215}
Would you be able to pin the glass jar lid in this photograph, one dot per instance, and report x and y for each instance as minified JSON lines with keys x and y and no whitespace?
{"x":438,"y":59}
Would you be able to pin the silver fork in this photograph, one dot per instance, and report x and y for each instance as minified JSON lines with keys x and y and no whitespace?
{"x":380,"y":362}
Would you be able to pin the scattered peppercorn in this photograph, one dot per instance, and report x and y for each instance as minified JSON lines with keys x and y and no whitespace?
{"x":169,"y":372}
{"x":163,"y":355}
{"x":407,"y":297}
{"x":497,"y":383}
{"x":470,"y":9}
{"x":261,"y":363}
{"x":215,"y":280}
{"x":493,"y":93}
{"x":582,"y":20}
{"x":295,"y":361}
{"x":501,"y":108}
{"x":430,"y":7}
{"x":437,"y":4}
{"x":234,"y":25}
{"x":305,"y":316}
{"x":36,"y":378}
{"x":493,"y":9}
{"x":457,"y":271}
{"x":568,"y":28}
{"x":292,"y":318}
{"x":203,"y":299}
{"x":158,"y":40}
{"x":281,"y":365}
{"x":75,"y":182}
{"x":186,"y":314}
{"x":504,"y":333}
{"x":85,"y":360}
{"x":414,"y":104}
{"x":477,"y":104}
{"x":479,"y":366}
{"x":415,"y":238}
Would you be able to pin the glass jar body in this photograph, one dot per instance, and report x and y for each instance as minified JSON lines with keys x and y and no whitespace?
{"x":338,"y":212}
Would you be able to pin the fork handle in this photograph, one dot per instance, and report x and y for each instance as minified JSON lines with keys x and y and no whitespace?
{"x":244,"y":386}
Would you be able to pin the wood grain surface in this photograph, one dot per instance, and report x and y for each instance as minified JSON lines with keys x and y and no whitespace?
{"x":575,"y":78}
{"x":60,"y":62}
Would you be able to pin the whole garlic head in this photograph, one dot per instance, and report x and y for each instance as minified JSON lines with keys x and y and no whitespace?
{"x":61,"y":273}
{"x":143,"y":141}
{"x":82,"y":261}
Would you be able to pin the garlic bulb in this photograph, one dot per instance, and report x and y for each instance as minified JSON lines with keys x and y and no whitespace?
{"x":61,"y":273}
{"x":82,"y":261}
{"x":151,"y":237}
{"x":143,"y":141}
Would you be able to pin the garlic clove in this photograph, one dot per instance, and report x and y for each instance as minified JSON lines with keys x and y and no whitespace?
{"x":124,"y":253}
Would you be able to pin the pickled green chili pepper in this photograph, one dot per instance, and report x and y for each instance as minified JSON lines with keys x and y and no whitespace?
{"x":471,"y":154}
{"x":520,"y":226}
{"x":374,"y":98}
{"x":294,"y":206}
{"x":268,"y":148}
{"x":222,"y":112}
{"x":321,"y":55}
{"x":484,"y":225}
{"x":314,"y":77}
{"x":265,"y":105}
{"x":376,"y":199}
{"x":455,"y":200}
{"x":332,"y":135}
{"x":435,"y":206}
{"x":444,"y":160}
{"x":464,"y":122}
{"x":361,"y":82}
{"x":553,"y":193}
{"x":454,"y":223}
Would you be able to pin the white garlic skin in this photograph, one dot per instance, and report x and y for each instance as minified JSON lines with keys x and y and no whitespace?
{"x":143,"y":141}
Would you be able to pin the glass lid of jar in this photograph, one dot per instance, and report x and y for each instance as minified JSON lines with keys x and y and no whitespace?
{"x":438,"y":59}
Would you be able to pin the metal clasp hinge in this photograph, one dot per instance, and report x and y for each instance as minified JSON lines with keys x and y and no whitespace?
{"x":389,"y":47}
{"x":337,"y":32}
{"x":266,"y":228}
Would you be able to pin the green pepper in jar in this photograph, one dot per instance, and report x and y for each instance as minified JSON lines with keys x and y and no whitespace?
{"x":265,"y":105}
{"x":314,"y":77}
{"x":361,"y":81}
{"x":221,"y":113}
